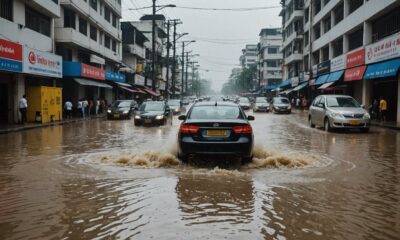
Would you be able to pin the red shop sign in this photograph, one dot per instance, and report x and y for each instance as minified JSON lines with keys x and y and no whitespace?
{"x":93,"y":72}
{"x":354,"y":74}
{"x":356,"y":58}
{"x":10,"y":50}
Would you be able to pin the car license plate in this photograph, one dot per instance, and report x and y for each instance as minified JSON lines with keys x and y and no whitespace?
{"x":116,"y":115}
{"x":354,"y":122}
{"x":147,"y":121}
{"x":217,"y":133}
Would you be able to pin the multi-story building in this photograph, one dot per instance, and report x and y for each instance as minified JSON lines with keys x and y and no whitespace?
{"x":345,"y":46}
{"x":249,"y":56}
{"x":88,"y":37}
{"x":269,"y":57}
{"x":27,"y":49}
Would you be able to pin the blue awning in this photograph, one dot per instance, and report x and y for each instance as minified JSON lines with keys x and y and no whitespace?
{"x":383,"y":69}
{"x":270,"y":87}
{"x":322,"y":79}
{"x":333,"y":77}
{"x":285,"y":83}
{"x":301,"y":86}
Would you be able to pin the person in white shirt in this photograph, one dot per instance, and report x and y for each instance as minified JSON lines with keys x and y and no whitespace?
{"x":85,"y":107}
{"x":68,"y":109}
{"x":80,"y":108}
{"x":23,"y":106}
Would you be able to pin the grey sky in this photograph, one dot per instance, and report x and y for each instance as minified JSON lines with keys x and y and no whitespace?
{"x":220,"y":35}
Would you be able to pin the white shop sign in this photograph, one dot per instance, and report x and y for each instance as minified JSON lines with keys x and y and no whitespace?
{"x":385,"y":49}
{"x":42,"y":63}
{"x":338,"y":63}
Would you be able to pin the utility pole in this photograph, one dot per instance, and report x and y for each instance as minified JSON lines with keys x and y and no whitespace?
{"x":183,"y":68}
{"x":167,"y":77}
{"x":175,"y":22}
{"x":153,"y":49}
{"x":186,"y":77}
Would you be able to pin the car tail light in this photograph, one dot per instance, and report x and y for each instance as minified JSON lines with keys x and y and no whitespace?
{"x":189,"y":129}
{"x":246,"y":129}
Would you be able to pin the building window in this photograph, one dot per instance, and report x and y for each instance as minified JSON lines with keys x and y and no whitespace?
{"x":66,"y":53}
{"x":325,"y":53}
{"x":6,"y":9}
{"x":356,"y":39}
{"x":386,"y":25}
{"x":114,"y":20}
{"x":306,"y":38}
{"x":339,"y":13}
{"x":69,"y":19}
{"x":326,"y":2}
{"x":316,"y":57}
{"x":114,"y":45}
{"x":93,"y":4}
{"x":101,"y":9}
{"x":101,"y":37}
{"x":317,"y":7}
{"x":83,"y":26}
{"x":306,"y":15}
{"x":37,"y":21}
{"x":327,"y":24}
{"x":107,"y":40}
{"x":55,"y":1}
{"x":93,"y":32}
{"x":337,"y":47}
{"x":317,"y":31}
{"x":306,"y":63}
{"x":354,"y":5}
{"x":272,"y":63}
{"x":272,"y":50}
{"x":107,"y":14}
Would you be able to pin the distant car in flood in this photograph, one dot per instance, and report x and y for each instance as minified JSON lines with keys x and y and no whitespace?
{"x":153,"y":113}
{"x":175,"y":106}
{"x":122,"y":109}
{"x":215,"y":128}
{"x":244,"y":103}
{"x":338,"y":111}
{"x":261,"y":105}
{"x":281,"y":105}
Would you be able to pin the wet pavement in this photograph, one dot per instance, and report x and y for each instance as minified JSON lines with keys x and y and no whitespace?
{"x":110,"y":180}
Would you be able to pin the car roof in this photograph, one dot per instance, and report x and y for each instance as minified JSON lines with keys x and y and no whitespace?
{"x":335,"y":95}
{"x":219,"y":103}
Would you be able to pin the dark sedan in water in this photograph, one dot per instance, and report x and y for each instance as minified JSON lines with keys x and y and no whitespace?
{"x":122,"y":109}
{"x":153,"y":113}
{"x":216,"y":128}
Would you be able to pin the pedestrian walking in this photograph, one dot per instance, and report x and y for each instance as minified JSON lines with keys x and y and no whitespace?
{"x":304,"y":103}
{"x":97,"y":106}
{"x":298,"y":102}
{"x":81,"y":109}
{"x":23,"y":106}
{"x":383,"y":109}
{"x":68,"y":109}
{"x":85,"y":107}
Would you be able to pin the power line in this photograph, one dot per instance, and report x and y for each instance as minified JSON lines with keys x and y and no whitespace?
{"x":229,"y":9}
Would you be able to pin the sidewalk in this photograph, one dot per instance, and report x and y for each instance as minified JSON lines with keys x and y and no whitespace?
{"x":18,"y":127}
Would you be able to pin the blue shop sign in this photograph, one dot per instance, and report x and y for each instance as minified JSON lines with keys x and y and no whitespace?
{"x":117,"y":77}
{"x":10,"y":65}
{"x":383,"y":69}
{"x":72,"y":69}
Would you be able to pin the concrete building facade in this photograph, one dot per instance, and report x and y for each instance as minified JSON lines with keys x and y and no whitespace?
{"x":249,"y":56}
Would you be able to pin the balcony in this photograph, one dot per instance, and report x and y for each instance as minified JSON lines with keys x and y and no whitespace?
{"x":71,"y":36}
{"x":292,"y":37}
{"x":294,"y":57}
{"x":297,"y":14}
{"x":269,"y":56}
{"x":136,"y":50}
{"x":115,"y":6}
{"x":50,"y":8}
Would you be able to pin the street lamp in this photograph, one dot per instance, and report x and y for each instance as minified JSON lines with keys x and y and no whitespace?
{"x":184,"y":43}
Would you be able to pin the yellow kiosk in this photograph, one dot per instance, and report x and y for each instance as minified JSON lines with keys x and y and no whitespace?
{"x":44,"y":104}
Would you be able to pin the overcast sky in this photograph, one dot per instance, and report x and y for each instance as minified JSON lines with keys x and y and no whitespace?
{"x":220,"y":35}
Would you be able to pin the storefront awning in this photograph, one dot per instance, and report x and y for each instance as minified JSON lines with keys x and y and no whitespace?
{"x":124,"y":84}
{"x":354,"y":74}
{"x":86,"y":82}
{"x":383,"y":69}
{"x":270,"y":87}
{"x":285,"y":84}
{"x":322,"y":79}
{"x":288,"y":91}
{"x":151,"y":92}
{"x":129,"y":89}
{"x":326,"y":85}
{"x":140,"y":91}
{"x":333,"y":77}
{"x":301,"y":86}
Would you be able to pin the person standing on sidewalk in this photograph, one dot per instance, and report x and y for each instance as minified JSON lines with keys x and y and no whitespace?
{"x":68,"y":109}
{"x":383,"y":109}
{"x":85,"y":107}
{"x":23,"y":106}
{"x":81,"y":109}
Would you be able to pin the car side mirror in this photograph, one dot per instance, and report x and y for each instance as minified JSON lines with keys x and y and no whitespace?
{"x":182,"y":117}
{"x":363,"y":106}
{"x":321,"y":105}
{"x":251,"y":118}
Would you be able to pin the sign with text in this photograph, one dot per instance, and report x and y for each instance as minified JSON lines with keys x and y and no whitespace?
{"x":42,"y":63}
{"x":385,"y":49}
{"x":10,"y":56}
{"x":117,"y":77}
{"x":93,"y":72}
{"x":139,"y":79}
{"x":338,"y":63}
{"x":354,"y":74}
{"x":356,"y":58}
{"x":324,"y":67}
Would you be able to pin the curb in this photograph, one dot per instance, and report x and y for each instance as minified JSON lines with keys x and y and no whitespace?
{"x":20,"y":129}
{"x":386,"y":126}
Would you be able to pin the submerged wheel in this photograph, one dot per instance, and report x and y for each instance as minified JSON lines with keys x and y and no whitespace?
{"x":327,"y":125}
{"x":247,"y":160}
{"x":310,"y":122}
{"x":364,"y":130}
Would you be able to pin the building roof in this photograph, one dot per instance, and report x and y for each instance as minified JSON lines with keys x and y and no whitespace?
{"x":158,"y":17}
{"x":270,"y":31}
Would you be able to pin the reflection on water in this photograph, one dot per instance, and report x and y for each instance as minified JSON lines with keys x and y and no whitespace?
{"x":110,"y":180}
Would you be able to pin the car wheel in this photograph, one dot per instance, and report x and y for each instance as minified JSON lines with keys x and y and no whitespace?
{"x":327,"y":125}
{"x":310,"y":122}
{"x":364,"y":130}
{"x":183,"y":158}
{"x":247,"y":160}
{"x":136,"y":123}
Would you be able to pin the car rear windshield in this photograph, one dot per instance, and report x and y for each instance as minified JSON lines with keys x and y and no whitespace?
{"x":281,"y":100}
{"x":216,"y":112}
{"x":341,"y":102}
{"x":122,"y":104}
{"x":152,"y":107}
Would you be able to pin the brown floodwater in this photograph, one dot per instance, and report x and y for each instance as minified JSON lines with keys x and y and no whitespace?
{"x":111,"y":180}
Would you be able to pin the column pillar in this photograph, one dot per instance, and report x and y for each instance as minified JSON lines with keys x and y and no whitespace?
{"x":345,"y":43}
{"x":366,"y":93}
{"x":346,"y":8}
{"x":367,"y":37}
{"x":19,"y":91}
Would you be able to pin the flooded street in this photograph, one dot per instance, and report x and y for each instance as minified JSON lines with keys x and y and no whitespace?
{"x":110,"y":180}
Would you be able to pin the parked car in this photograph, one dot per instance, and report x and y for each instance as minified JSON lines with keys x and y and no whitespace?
{"x":338,"y":111}
{"x":281,"y":105}
{"x":122,"y":109}
{"x":244,"y":103}
{"x":175,"y":106}
{"x":211,"y":128}
{"x":261,"y":105}
{"x":186,"y":101}
{"x":153,"y":113}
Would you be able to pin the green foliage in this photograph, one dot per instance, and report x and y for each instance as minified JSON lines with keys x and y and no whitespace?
{"x":240,"y":81}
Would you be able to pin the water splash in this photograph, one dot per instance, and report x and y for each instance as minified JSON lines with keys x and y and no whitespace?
{"x":144,"y":160}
